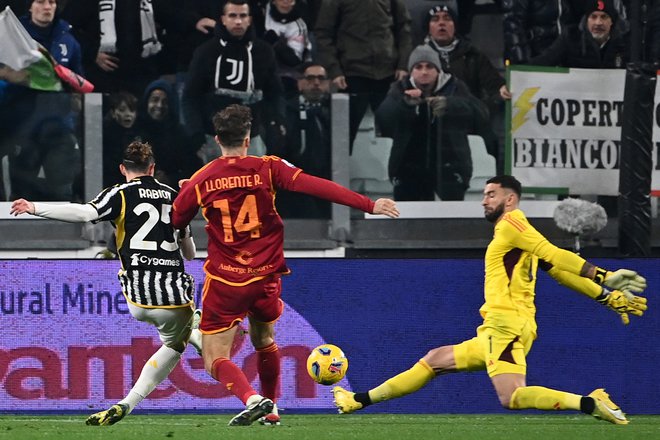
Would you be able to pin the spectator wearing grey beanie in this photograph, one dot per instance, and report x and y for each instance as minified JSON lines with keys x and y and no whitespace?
{"x":428,"y":116}
{"x":424,"y":53}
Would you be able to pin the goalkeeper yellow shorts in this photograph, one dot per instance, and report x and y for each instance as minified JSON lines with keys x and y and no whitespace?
{"x":496,"y":349}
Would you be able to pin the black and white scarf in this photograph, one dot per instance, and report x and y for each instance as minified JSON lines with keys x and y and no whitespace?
{"x":274,"y":14}
{"x":443,"y":51}
{"x":233,"y":68}
{"x":150,"y":44}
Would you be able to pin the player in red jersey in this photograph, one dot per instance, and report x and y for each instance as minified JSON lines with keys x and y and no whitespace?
{"x":245,"y":260}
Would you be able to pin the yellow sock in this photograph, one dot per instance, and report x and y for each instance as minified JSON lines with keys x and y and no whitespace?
{"x":404,"y":383}
{"x":544,"y":398}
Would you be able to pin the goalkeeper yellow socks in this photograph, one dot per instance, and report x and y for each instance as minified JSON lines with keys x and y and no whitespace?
{"x":544,"y":398}
{"x":404,"y":383}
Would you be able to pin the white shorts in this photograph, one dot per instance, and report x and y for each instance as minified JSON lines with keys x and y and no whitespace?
{"x":173,"y":324}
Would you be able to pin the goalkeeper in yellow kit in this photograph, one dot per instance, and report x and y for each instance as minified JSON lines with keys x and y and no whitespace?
{"x":504,"y":339}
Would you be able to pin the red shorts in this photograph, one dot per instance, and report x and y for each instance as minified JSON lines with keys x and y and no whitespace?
{"x":224,"y":306}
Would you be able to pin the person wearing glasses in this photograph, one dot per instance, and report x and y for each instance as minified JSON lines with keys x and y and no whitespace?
{"x":308,"y":139}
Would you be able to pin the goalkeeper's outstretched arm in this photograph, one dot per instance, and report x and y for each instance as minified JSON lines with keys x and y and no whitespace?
{"x":622,"y":302}
{"x":529,"y":239}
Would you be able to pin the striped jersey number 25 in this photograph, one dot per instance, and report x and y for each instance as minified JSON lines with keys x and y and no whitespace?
{"x":138,"y":239}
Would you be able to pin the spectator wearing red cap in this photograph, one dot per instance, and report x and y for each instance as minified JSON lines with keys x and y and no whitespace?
{"x":596,"y":43}
{"x":531,"y":26}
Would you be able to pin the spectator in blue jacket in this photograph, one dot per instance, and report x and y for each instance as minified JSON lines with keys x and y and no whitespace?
{"x":53,"y":33}
{"x":40,"y":127}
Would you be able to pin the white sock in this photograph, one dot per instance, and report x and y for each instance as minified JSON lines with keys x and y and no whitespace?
{"x":196,"y":340}
{"x":156,"y":370}
{"x":255,"y":398}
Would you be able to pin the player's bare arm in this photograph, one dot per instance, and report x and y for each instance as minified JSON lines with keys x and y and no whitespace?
{"x":386,"y":207}
{"x":588,"y":270}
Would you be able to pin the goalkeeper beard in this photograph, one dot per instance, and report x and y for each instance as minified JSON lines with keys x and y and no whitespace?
{"x":496,"y":213}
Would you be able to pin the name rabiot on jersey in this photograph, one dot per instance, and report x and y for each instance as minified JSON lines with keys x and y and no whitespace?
{"x":152,"y":271}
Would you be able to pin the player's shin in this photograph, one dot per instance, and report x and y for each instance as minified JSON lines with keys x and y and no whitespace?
{"x":227,"y":373}
{"x":543,"y":398}
{"x":268,"y":367}
{"x":156,"y":370}
{"x":404,"y":383}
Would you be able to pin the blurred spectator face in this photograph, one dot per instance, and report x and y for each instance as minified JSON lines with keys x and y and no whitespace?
{"x":236,"y":18}
{"x":424,"y":74}
{"x":599,"y":24}
{"x":42,"y":12}
{"x":124,"y":114}
{"x":314,"y":85}
{"x":284,"y":6}
{"x":158,"y":106}
{"x":442,"y":28}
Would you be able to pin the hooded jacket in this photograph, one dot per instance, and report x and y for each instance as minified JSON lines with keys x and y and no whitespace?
{"x":202,"y":98}
{"x":173,"y":156}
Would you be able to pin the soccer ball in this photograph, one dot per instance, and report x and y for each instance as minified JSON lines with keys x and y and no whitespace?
{"x":327,"y":364}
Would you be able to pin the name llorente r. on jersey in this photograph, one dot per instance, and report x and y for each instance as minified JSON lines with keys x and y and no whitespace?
{"x":152,"y":272}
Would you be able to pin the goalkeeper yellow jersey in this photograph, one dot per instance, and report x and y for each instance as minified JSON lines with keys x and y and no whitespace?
{"x":511,"y":262}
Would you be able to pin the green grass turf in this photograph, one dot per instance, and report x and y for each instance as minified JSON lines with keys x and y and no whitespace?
{"x":377,"y":427}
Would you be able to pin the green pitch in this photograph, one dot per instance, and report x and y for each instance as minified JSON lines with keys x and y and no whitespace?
{"x":320,"y":427}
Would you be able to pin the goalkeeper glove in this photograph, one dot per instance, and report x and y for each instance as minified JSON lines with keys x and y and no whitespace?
{"x":622,"y":279}
{"x":623,"y":302}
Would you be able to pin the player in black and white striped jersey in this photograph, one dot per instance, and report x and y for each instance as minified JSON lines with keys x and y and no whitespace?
{"x":152,"y":276}
{"x":152,"y":272}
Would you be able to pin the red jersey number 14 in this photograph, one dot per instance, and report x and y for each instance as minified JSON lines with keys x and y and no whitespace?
{"x":247,"y":219}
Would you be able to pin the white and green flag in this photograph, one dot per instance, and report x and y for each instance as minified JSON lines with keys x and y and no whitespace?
{"x":22,"y":60}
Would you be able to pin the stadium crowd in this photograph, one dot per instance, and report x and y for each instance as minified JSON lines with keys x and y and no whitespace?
{"x":165,"y":67}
